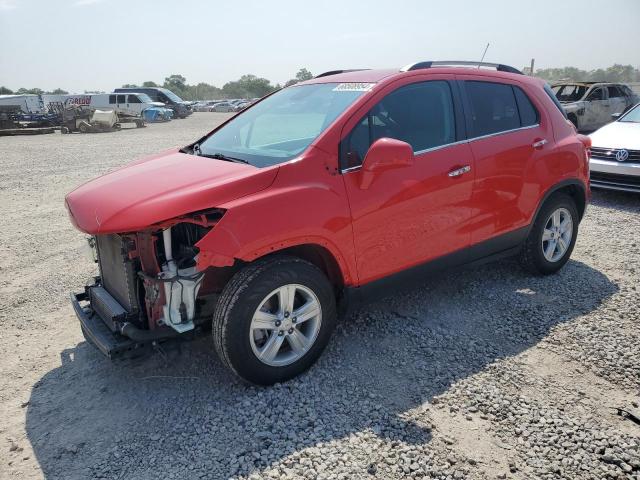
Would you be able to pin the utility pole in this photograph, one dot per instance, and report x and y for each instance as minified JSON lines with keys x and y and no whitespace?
{"x":533,"y":61}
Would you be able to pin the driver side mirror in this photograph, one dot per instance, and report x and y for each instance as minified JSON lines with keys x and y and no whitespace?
{"x":384,"y":154}
{"x":616,"y":116}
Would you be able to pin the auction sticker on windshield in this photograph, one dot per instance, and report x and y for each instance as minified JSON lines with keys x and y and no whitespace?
{"x":354,"y":87}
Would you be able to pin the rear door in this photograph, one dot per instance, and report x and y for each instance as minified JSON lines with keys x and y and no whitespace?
{"x":419,"y":212}
{"x":507,"y":137}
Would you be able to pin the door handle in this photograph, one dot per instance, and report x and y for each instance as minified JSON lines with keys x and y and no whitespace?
{"x":539,"y":143}
{"x":460,"y":171}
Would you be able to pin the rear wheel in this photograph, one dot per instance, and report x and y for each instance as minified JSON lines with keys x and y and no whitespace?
{"x":273,"y":319}
{"x":552,"y":236}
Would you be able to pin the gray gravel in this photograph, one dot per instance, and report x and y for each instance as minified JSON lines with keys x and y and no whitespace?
{"x":478,"y":373}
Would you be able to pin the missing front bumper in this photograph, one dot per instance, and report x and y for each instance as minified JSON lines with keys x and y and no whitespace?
{"x":104,"y":323}
{"x":96,"y":331}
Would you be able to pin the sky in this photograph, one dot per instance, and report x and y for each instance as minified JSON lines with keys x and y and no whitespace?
{"x":82,"y":45}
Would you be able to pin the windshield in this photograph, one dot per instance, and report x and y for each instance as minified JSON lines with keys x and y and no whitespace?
{"x":632,"y":115}
{"x":283,"y":125}
{"x":144,"y":98}
{"x":569,"y":93}
{"x":171,"y":95}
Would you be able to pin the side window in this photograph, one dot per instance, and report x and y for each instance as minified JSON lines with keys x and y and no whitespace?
{"x":597,"y":94}
{"x":528,"y":113}
{"x":112,"y":99}
{"x":121,"y":98}
{"x":420,"y":114}
{"x":493,"y":107}
{"x":134,"y":99}
{"x":614,"y":92}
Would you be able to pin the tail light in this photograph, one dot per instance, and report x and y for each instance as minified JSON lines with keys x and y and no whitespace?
{"x":586,"y":141}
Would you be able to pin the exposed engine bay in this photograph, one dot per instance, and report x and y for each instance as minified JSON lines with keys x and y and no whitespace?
{"x":150,"y":284}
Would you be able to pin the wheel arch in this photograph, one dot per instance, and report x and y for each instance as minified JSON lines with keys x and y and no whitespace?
{"x":573,"y":187}
{"x":320,"y":253}
{"x":319,"y":256}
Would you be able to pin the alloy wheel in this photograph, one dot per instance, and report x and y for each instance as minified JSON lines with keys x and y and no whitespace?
{"x":557,"y":235}
{"x":285,"y":325}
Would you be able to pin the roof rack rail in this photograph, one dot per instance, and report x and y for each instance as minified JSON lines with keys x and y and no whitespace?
{"x":452,"y":63}
{"x":336,"y":72}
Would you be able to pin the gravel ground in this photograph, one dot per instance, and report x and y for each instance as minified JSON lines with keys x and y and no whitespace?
{"x":479,"y":373}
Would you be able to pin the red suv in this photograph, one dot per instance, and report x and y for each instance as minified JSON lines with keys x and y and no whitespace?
{"x":325,"y":192}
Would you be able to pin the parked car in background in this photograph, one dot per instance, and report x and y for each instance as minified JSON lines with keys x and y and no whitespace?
{"x":240,"y":106}
{"x":199,"y":106}
{"x":615,"y":153}
{"x":180,"y":108}
{"x":328,"y":191}
{"x":589,"y":105}
{"x":222,"y":107}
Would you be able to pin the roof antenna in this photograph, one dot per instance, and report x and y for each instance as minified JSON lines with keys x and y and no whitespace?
{"x":485,"y":52}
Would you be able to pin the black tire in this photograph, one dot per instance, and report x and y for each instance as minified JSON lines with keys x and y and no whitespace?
{"x":532,"y":255}
{"x":240,"y":299}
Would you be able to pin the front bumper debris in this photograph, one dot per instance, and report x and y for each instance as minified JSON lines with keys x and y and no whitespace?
{"x":95,"y":330}
{"x":107,"y":325}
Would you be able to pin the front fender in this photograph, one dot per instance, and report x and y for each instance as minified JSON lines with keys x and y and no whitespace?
{"x":294,"y":211}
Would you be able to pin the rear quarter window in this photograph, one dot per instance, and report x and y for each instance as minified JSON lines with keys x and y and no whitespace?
{"x":528,"y":114}
{"x":554,"y":99}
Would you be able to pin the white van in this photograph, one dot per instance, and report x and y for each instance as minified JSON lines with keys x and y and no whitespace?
{"x":121,"y":103}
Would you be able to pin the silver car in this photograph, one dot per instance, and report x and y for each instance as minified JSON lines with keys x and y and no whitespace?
{"x":615,"y":153}
{"x":222,"y":107}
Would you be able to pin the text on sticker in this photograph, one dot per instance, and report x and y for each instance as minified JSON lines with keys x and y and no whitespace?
{"x":354,"y":87}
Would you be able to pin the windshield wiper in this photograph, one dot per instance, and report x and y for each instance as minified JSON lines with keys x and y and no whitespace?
{"x":220,"y":156}
{"x":195,"y":150}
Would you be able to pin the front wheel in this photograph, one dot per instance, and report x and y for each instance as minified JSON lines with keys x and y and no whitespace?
{"x":273,"y":319}
{"x":552,"y":236}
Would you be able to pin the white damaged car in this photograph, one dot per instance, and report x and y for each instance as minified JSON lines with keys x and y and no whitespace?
{"x":615,"y":153}
{"x":589,"y":105}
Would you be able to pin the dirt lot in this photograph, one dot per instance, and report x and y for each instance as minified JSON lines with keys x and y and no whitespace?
{"x":480,"y":373}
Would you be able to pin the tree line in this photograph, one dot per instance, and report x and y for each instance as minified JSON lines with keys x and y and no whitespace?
{"x":616,"y":73}
{"x":251,"y":86}
{"x":247,"y":86}
{"x":34,"y":91}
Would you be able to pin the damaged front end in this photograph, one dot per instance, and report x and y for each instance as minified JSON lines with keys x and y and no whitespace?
{"x":149,"y":287}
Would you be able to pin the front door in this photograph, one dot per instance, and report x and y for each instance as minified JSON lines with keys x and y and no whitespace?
{"x":416,"y":213}
{"x":597,"y":108}
{"x":134,"y":105}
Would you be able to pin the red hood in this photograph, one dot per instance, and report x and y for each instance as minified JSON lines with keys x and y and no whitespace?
{"x":159,"y":188}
